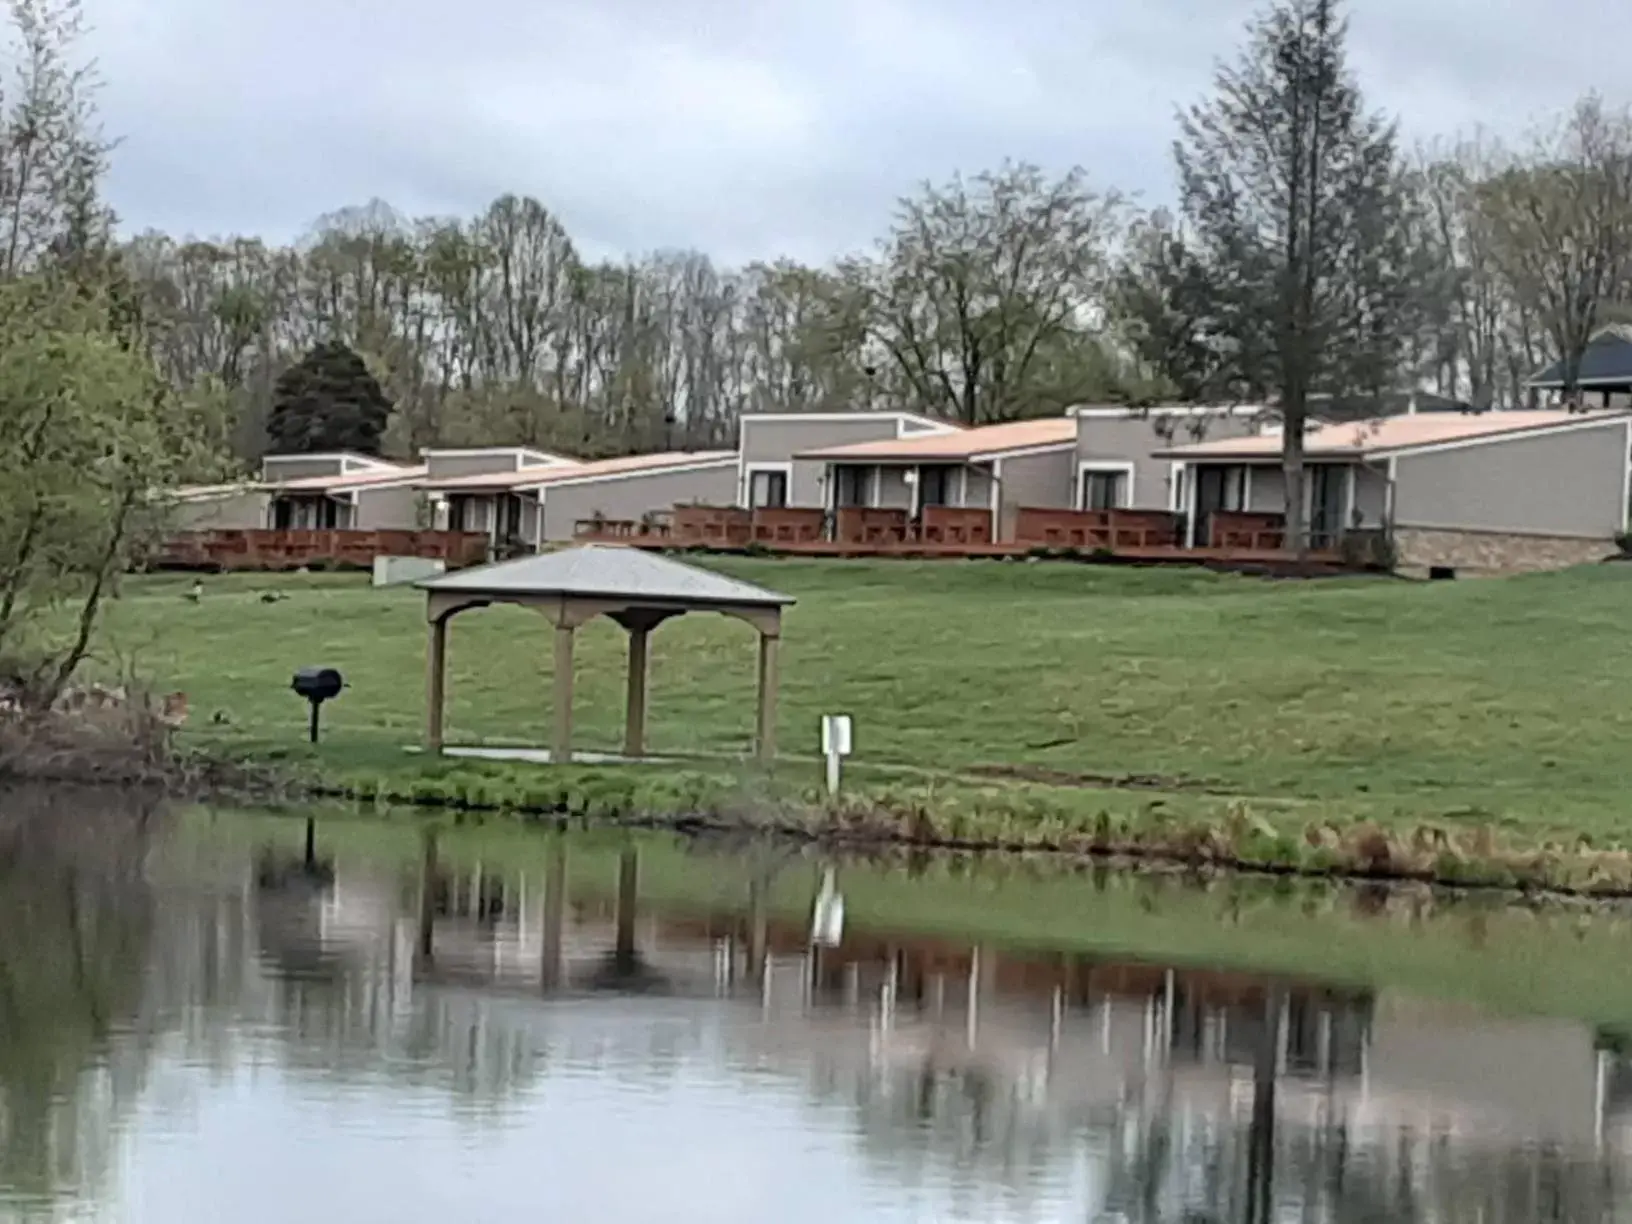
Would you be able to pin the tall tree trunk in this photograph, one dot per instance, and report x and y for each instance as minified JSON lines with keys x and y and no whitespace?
{"x":1297,"y":527}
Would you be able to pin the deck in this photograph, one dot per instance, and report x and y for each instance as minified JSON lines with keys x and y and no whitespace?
{"x":1323,"y":561}
{"x":1246,"y":542}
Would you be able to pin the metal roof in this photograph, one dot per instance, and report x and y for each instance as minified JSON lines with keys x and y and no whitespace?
{"x":1607,"y":361}
{"x":963,"y":445}
{"x":1397,"y":434}
{"x":602,"y":571}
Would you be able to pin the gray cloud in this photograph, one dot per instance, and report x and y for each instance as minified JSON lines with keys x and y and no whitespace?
{"x":746,"y":128}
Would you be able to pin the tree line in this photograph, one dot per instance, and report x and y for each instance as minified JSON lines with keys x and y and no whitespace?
{"x":1309,"y":255}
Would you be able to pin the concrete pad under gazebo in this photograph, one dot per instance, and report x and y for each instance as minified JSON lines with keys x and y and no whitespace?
{"x":638,"y":590}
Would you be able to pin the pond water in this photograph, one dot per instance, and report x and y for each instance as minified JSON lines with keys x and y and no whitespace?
{"x":195,"y":1025}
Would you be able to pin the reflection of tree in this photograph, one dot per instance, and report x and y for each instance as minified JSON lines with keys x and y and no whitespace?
{"x":75,"y":922}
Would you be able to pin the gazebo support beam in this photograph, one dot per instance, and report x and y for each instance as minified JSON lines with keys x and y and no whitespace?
{"x":634,"y":719}
{"x":436,"y":672}
{"x":561,"y":742}
{"x":765,"y":740}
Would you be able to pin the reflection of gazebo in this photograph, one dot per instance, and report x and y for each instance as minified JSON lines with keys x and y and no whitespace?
{"x":637,"y":589}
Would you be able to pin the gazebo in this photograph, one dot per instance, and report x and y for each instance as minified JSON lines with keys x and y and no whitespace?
{"x":638,"y":590}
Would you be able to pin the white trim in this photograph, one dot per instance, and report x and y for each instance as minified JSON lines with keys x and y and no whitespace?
{"x":1190,"y":510}
{"x":1626,"y":481}
{"x":1178,"y":410}
{"x":1348,"y":497}
{"x":963,"y":483}
{"x":1018,"y":452}
{"x":751,"y":469}
{"x":1129,"y":470}
{"x":281,"y":488}
{"x":1600,"y":421}
{"x":996,"y":499}
{"x":1246,"y":489}
{"x":1177,"y":470}
{"x":898,"y":417}
{"x":549,"y":458}
{"x":1391,"y":494}
{"x":632,"y":474}
{"x":875,"y":486}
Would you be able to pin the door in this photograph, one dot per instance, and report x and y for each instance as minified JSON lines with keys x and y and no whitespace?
{"x":850,"y":485}
{"x":1217,"y":489}
{"x":934,"y":487}
{"x":1326,"y":505}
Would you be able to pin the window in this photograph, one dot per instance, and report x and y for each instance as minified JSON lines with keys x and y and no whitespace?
{"x":850,"y":485}
{"x":1104,"y":490}
{"x":767,"y":487}
{"x":934,"y":485}
{"x":509,"y":518}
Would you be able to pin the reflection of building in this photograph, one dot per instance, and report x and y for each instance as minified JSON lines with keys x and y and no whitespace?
{"x":1006,"y":1073}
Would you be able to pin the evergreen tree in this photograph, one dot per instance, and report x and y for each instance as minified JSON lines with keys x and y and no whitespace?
{"x":1297,"y":207}
{"x":328,"y":401}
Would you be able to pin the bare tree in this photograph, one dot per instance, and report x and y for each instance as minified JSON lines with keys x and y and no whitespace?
{"x":980,"y":277}
{"x":1559,"y":219}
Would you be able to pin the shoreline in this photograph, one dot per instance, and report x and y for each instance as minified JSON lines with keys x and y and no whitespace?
{"x":1468,"y":861}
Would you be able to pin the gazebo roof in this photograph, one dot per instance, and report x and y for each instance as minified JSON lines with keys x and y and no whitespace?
{"x":595,"y":571}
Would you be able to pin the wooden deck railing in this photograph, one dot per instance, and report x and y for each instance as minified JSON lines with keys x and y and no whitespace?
{"x":266,"y":549}
{"x":954,"y":525}
{"x":1248,"y":529}
{"x":1096,"y":529}
{"x":789,"y":525}
{"x":651,"y":529}
{"x":717,"y":526}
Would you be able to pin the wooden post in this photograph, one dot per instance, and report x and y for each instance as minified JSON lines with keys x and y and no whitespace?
{"x":436,"y":670}
{"x":758,"y":927}
{"x":555,"y":913}
{"x":628,"y":889}
{"x":765,"y":742}
{"x":561,"y":745}
{"x":427,"y":893}
{"x":634,"y":726}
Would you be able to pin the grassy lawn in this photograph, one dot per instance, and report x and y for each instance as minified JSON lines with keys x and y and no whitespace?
{"x":1503,"y":703}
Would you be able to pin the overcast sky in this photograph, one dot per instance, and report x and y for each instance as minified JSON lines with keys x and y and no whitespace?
{"x":745,"y":128}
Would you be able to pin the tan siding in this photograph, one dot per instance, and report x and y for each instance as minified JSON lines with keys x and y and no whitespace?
{"x":807,"y":484}
{"x":978,"y":494}
{"x":630,"y":497}
{"x":238,"y":512}
{"x":894,"y":493}
{"x":446,"y":467}
{"x":1131,"y":439}
{"x":386,"y":508}
{"x":299,"y":467}
{"x":1266,"y":490}
{"x":1567,"y":484}
{"x":532,"y":515}
{"x":1043,"y":481}
{"x":1371,"y":496}
{"x":777,"y":441}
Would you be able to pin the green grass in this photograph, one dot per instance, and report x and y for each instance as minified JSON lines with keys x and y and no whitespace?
{"x":1501,"y":703}
{"x":1504,"y":958}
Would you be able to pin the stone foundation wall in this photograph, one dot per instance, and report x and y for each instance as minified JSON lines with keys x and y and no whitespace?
{"x":1494,"y":551}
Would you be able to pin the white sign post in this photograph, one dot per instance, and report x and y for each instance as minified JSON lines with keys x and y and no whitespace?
{"x":835,"y":746}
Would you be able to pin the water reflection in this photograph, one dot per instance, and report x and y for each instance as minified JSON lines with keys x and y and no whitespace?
{"x":463,"y":1042}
